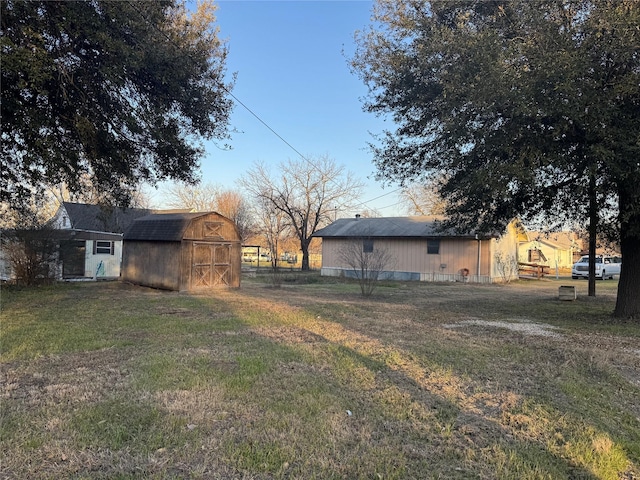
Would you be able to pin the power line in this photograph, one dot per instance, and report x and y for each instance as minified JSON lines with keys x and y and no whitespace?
{"x":254,"y":114}
{"x":384,"y":195}
{"x":237,"y":100}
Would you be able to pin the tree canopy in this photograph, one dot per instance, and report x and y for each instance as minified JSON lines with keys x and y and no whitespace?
{"x":524,"y":108}
{"x":121,"y":92}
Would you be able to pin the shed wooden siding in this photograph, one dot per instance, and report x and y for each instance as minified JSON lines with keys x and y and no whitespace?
{"x":182,"y":252}
{"x":211,"y":229}
{"x":153,"y":264}
{"x":411,"y":255}
{"x":207,"y":264}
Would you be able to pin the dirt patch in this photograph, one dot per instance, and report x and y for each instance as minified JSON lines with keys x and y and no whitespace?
{"x":525,"y":327}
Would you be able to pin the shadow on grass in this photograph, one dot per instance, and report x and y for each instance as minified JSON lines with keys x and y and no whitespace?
{"x":250,"y":382}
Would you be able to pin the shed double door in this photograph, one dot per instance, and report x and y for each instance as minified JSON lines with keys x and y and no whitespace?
{"x":211,"y":264}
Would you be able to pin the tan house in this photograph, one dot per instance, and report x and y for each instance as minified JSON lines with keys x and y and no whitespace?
{"x":420,"y":250}
{"x":555,"y":249}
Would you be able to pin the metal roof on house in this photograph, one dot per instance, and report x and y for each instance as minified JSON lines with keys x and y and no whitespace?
{"x":390,"y":227}
{"x":163,"y":227}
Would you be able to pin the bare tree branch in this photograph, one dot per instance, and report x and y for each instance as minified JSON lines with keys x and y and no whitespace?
{"x":367,"y":264}
{"x":308,"y":193}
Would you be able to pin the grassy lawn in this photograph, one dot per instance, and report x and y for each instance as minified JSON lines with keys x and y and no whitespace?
{"x":311,"y":381}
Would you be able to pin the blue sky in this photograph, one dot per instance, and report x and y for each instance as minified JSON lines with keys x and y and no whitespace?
{"x":291,"y":60}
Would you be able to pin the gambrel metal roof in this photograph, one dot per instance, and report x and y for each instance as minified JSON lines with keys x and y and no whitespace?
{"x":165,"y":227}
{"x":390,"y":227}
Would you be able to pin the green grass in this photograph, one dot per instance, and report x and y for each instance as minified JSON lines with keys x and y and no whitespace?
{"x":307,"y":379}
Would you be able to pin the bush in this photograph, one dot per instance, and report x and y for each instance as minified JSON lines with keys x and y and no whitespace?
{"x":32,"y":255}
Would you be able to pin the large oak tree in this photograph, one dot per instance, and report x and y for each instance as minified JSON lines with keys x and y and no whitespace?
{"x":118,"y":92}
{"x":524,"y":108}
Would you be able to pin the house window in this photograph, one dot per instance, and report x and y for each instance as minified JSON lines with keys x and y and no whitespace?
{"x":433,"y":246}
{"x":367,"y":246}
{"x":103,"y":247}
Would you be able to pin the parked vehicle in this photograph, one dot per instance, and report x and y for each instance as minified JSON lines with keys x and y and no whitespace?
{"x":606,"y":267}
{"x":265,"y":257}
{"x":289,"y":257}
{"x":250,"y":255}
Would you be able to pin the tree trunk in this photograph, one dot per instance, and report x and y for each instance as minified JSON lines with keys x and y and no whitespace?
{"x":305,"y":255}
{"x":593,"y":232}
{"x":628,"y":301}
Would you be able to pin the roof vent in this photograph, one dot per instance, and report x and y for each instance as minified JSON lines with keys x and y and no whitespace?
{"x":357,"y":216}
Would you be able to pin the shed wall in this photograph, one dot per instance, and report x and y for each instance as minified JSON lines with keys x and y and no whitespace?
{"x":211,"y":228}
{"x":154,"y":264}
{"x":205,"y":254}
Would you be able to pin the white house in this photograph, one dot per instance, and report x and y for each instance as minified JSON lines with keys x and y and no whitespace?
{"x":91,"y":247}
{"x":554,"y":249}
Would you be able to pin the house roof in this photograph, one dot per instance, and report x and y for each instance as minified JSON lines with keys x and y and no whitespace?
{"x":165,"y":227}
{"x":99,"y":218}
{"x":558,"y":240}
{"x":390,"y":227}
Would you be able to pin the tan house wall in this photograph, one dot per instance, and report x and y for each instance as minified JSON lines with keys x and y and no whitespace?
{"x":411,"y":256}
{"x":504,"y":255}
{"x":487,"y":261}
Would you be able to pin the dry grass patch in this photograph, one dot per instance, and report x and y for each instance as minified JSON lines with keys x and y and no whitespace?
{"x":310,"y":380}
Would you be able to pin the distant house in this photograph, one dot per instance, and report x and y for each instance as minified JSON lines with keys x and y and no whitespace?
{"x":91,"y":246}
{"x":182,"y":251}
{"x":554,"y":249}
{"x":420,"y":250}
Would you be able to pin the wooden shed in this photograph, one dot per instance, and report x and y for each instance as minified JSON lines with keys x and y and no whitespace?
{"x":182,"y":251}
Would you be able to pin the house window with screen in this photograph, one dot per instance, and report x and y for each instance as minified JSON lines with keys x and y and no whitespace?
{"x":367,"y":246}
{"x":103,"y":247}
{"x":433,"y":246}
